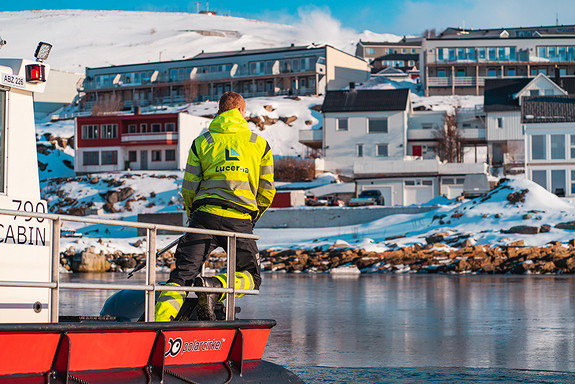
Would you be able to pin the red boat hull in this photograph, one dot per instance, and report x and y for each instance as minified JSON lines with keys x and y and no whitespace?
{"x":176,"y":352}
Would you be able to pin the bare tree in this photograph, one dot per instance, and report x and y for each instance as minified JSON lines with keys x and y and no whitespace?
{"x":294,"y":169}
{"x":429,"y":33}
{"x":449,"y":138}
{"x":107,"y":105}
{"x":190,"y":90}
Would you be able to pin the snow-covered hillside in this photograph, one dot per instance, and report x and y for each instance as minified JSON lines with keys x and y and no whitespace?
{"x":83,"y":38}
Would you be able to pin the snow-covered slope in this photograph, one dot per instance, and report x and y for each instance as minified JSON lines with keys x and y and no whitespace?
{"x":83,"y":38}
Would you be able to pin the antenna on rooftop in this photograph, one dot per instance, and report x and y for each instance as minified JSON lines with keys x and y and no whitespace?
{"x":557,"y":18}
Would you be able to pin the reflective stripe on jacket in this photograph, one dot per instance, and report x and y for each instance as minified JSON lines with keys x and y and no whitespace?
{"x":230,"y":167}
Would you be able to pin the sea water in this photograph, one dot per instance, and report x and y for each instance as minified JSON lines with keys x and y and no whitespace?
{"x":408,"y":328}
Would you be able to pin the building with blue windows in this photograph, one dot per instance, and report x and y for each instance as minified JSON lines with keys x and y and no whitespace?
{"x":458,"y":61}
{"x":294,"y":70}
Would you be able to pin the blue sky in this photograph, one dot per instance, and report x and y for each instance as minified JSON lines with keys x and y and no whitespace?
{"x":384,"y":16}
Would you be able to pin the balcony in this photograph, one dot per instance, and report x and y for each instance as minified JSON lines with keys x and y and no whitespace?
{"x":164,"y":137}
{"x":312,"y":138}
{"x":415,"y":166}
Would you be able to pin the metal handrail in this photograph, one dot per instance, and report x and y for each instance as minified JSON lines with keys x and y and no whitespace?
{"x":150,"y":287}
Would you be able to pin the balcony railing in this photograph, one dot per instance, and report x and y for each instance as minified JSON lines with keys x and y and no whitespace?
{"x":310,"y":135}
{"x":150,"y":136}
{"x":413,"y":165}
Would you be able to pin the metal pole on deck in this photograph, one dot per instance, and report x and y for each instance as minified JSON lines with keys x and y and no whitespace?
{"x":55,"y":292}
{"x":231,"y":307}
{"x":151,"y":275}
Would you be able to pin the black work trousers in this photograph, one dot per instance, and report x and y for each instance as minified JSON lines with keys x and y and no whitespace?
{"x":194,"y":248}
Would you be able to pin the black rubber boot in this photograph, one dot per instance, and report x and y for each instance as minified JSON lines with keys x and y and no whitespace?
{"x":207,"y":301}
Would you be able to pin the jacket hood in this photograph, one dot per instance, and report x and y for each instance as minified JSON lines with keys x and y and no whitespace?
{"x":228,"y":122}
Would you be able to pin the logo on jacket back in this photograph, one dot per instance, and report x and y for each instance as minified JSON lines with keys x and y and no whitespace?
{"x":232,"y":155}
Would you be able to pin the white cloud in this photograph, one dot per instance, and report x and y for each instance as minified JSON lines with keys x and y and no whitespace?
{"x":316,"y":25}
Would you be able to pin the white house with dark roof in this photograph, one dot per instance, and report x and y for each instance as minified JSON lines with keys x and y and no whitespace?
{"x":502,"y":106}
{"x":549,"y":123}
{"x":374,"y":137}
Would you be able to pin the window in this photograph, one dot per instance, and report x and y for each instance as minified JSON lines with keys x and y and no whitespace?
{"x":359,"y":150}
{"x":132,"y":128}
{"x":91,"y":158}
{"x":538,"y":147}
{"x":557,"y":147}
{"x":573,"y":182}
{"x":511,"y":72}
{"x":377,"y":126}
{"x":170,"y":127}
{"x":558,"y":182}
{"x":426,"y":125}
{"x":109,"y":131}
{"x":451,"y":54}
{"x":132,"y":156}
{"x":572,"y":146}
{"x":156,"y":155}
{"x":481,"y":53}
{"x":441,"y":73}
{"x":533,"y":92}
{"x":492,"y":54}
{"x":440,"y":54}
{"x":460,"y":72}
{"x":89,"y":132}
{"x":109,"y":157}
{"x":500,"y":122}
{"x":540,"y":177}
{"x":491,"y":72}
{"x":470,"y":53}
{"x":156,"y":127}
{"x":542,"y":52}
{"x":170,"y":154}
{"x":144,"y":127}
{"x":461,"y":54}
{"x":381,"y":150}
{"x":341,"y":124}
{"x":370,"y":51}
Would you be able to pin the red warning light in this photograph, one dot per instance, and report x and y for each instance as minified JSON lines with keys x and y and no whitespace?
{"x":35,"y":73}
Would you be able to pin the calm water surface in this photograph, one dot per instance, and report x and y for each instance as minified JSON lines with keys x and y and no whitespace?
{"x":406,"y":328}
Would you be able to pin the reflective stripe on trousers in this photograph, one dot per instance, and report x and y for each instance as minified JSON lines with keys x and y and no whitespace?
{"x":244,"y":280}
{"x":169,"y":304}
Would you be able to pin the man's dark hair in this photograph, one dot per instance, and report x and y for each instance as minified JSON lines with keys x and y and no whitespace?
{"x":231,"y":100}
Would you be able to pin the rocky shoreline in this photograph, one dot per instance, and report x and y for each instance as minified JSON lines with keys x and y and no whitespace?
{"x":514,"y":258}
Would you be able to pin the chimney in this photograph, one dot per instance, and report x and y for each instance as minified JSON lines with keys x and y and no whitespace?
{"x":352,"y":86}
{"x":137,"y":110}
{"x":557,"y":76}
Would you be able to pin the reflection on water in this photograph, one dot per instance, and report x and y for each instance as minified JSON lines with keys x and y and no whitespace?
{"x":407,"y":321}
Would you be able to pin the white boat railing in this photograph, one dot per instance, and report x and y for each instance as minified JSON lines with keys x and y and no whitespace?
{"x":151,"y":286}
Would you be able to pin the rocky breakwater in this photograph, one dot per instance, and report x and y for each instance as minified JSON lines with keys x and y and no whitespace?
{"x":513,"y":258}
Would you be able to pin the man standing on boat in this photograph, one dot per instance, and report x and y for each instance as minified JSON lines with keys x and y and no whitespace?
{"x":228,"y":185}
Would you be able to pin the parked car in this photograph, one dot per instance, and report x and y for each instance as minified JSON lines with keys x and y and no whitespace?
{"x":313,"y":201}
{"x":476,"y":185}
{"x":367,"y":197}
{"x":334,"y":201}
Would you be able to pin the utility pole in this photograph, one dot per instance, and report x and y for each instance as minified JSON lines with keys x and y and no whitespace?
{"x":197,"y":6}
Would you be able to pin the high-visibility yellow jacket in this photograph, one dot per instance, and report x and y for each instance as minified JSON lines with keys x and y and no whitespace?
{"x":230,"y":169}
